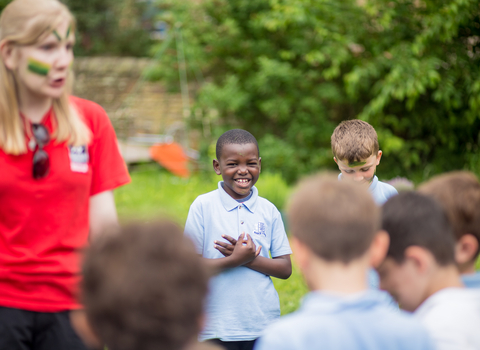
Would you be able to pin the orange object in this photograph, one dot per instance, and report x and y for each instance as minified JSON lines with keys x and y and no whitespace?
{"x":172,"y":157}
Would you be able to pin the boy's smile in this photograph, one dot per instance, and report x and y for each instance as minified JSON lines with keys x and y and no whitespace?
{"x":361,"y":172}
{"x":240,"y":167}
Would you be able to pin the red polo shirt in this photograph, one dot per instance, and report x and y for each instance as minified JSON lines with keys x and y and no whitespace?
{"x":44,"y":223}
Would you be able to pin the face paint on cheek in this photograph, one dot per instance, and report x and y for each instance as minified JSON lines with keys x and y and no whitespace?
{"x":68,"y":32}
{"x":38,"y":67}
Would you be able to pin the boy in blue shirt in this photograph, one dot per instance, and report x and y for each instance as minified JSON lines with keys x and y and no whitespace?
{"x":356,"y":152}
{"x":420,"y":271}
{"x":234,"y":230}
{"x":336,"y":238}
{"x":459,"y":194}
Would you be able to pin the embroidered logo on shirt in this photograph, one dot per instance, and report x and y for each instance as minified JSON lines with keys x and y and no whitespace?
{"x":260,"y":229}
{"x":79,"y":159}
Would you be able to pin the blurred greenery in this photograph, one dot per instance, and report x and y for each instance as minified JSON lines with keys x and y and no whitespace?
{"x":109,"y":27}
{"x":149,"y":197}
{"x":290,"y":70}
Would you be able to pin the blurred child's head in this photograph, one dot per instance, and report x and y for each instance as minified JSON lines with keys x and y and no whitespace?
{"x":355,"y":150}
{"x":337,"y":220}
{"x":459,"y":194}
{"x":144,"y":288}
{"x":238,"y":162}
{"x":421,"y":245}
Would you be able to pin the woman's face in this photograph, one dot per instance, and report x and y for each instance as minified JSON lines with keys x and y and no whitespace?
{"x":42,"y":68}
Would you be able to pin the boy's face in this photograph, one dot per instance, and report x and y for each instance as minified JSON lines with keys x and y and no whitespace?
{"x":359,"y":172}
{"x":240,"y":167}
{"x":404,"y":282}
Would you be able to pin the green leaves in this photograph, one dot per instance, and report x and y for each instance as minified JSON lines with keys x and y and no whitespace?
{"x":290,"y":70}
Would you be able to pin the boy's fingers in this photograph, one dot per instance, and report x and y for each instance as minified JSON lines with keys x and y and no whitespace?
{"x":257,"y":253}
{"x":230,"y":239}
{"x":241,"y":238}
{"x":223,"y":244}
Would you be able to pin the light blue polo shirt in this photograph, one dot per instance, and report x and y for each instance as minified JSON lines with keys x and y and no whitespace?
{"x":380,"y":191}
{"x":471,"y":280}
{"x":357,"y":322}
{"x":241,"y":302}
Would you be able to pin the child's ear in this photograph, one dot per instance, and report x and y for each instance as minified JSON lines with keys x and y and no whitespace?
{"x":301,"y":253}
{"x":9,"y":56}
{"x":421,"y":258}
{"x":379,"y":248}
{"x":379,"y":156}
{"x":259,"y":164}
{"x":216,"y":167}
{"x":83,"y":328}
{"x":465,"y":249}
{"x":335,"y":159}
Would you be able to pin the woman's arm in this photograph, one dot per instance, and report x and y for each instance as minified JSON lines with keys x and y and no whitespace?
{"x":103,"y":214}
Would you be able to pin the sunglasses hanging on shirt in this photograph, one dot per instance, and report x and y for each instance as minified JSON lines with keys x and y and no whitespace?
{"x":41,"y":161}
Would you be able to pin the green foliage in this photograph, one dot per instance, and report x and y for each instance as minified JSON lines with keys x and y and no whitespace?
{"x":290,"y":71}
{"x":110,"y":27}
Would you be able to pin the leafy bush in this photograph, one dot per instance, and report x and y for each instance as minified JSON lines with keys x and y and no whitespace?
{"x":290,"y":71}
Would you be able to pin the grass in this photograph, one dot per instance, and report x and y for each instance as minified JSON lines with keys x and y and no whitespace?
{"x":155,"y":194}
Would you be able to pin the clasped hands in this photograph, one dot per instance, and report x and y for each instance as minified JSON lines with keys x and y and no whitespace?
{"x":243,"y":251}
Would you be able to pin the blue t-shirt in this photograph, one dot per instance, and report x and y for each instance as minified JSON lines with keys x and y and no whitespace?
{"x":471,"y":280}
{"x":380,"y":191}
{"x":241,"y":302}
{"x":357,"y":322}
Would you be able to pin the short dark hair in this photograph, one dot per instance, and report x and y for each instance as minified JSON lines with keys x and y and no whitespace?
{"x":413,"y":219}
{"x":144,"y":288}
{"x":235,"y":136}
{"x":459,"y":194}
{"x":336,"y":219}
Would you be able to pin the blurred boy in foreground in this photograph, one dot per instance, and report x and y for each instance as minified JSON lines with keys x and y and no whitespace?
{"x":420,"y":271}
{"x":458,"y":193}
{"x":336,"y":238}
{"x":143,"y":289}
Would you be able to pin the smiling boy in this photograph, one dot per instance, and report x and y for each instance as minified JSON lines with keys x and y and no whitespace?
{"x":356,"y":151}
{"x":235,"y":230}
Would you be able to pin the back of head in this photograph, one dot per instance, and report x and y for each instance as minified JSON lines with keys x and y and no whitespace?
{"x":413,"y":219}
{"x":337,"y":220}
{"x":459,"y":194}
{"x":234,"y":136}
{"x":354,"y":140}
{"x":144,"y":288}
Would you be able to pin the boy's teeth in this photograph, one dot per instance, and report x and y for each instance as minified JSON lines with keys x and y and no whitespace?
{"x":243,"y":181}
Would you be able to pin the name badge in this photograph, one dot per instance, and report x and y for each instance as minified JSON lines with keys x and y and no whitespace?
{"x":79,"y":159}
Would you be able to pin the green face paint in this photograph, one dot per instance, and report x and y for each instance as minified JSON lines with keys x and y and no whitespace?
{"x":354,"y":164}
{"x":68,"y":32}
{"x":38,"y":67}
{"x":59,"y":38}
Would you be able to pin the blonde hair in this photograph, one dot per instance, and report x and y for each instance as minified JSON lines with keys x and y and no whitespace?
{"x":354,"y":141}
{"x":25,"y":22}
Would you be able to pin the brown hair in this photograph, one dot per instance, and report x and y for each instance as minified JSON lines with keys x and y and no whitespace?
{"x":413,"y":219}
{"x":459,"y":194}
{"x":354,"y":140}
{"x":144,"y":288}
{"x":336,"y":219}
{"x":25,"y":22}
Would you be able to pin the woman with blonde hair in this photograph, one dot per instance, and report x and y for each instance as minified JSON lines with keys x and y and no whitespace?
{"x":59,"y":163}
